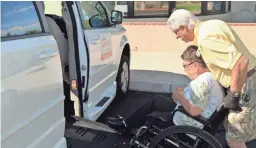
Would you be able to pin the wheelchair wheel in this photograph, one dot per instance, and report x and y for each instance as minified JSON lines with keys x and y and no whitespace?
{"x":184,"y":137}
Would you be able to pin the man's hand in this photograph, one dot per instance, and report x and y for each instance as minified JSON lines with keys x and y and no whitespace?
{"x":231,"y":103}
{"x":188,"y":106}
{"x":177,"y":94}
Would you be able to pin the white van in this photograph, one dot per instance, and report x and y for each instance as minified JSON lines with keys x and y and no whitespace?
{"x":59,"y":71}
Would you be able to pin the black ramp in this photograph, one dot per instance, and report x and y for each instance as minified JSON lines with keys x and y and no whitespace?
{"x":82,"y":137}
{"x":79,"y":136}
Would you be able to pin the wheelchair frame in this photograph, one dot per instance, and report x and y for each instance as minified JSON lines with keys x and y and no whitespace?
{"x":150,"y":134}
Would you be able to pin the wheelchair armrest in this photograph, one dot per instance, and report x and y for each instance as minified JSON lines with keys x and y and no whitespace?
{"x":199,"y":118}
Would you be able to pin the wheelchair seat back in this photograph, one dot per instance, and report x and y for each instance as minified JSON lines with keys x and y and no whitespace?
{"x":218,"y":116}
{"x":216,"y":119}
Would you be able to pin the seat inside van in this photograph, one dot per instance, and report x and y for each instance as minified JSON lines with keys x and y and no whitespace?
{"x":58,"y":29}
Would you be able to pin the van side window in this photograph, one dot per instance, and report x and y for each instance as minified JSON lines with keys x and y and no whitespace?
{"x":94,"y":14}
{"x":19,"y":19}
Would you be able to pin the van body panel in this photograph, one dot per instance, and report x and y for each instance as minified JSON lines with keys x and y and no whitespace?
{"x":32,"y":100}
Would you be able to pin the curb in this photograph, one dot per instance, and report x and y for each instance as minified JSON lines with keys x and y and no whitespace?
{"x":154,"y":87}
{"x":150,"y":86}
{"x":156,"y":81}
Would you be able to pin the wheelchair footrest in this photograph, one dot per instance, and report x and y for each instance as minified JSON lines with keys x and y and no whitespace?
{"x":163,"y":116}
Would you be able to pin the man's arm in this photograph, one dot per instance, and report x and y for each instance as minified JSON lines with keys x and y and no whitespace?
{"x":239,"y":73}
{"x":188,"y":106}
{"x":195,"y":97}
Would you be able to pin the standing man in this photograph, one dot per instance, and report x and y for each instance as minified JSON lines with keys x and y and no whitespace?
{"x":230,"y":63}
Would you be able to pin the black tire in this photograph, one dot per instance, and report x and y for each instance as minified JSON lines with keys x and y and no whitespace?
{"x":121,"y":93}
{"x":186,"y":130}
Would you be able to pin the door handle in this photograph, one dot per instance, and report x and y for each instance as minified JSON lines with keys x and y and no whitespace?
{"x":47,"y":54}
{"x":95,"y":41}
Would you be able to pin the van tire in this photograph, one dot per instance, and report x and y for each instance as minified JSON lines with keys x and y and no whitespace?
{"x":123,"y":77}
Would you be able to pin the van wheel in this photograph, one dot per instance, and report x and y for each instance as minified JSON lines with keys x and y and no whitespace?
{"x":123,"y":77}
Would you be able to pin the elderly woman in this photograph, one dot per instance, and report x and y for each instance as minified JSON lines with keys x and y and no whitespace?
{"x":201,"y":97}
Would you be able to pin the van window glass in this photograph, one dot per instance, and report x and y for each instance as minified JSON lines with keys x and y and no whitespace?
{"x":94,"y":14}
{"x":19,"y":18}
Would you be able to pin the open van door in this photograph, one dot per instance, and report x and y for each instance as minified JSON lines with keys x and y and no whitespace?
{"x":80,"y":131}
{"x":97,"y":72}
{"x":98,"y":34}
{"x":71,"y":17}
{"x":78,"y":57}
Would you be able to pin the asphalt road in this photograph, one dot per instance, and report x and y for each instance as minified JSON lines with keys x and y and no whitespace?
{"x":128,"y":105}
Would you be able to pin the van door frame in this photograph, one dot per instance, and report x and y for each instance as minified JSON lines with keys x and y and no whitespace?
{"x":80,"y":82}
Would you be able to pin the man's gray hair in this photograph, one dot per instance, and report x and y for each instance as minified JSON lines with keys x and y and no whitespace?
{"x":182,"y":17}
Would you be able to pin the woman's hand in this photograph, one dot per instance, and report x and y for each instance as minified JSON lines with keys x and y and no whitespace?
{"x":176,"y":95}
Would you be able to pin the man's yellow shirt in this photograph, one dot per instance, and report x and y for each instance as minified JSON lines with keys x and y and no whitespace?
{"x":220,"y":48}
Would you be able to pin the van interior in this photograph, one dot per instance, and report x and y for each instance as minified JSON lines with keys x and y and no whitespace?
{"x":79,"y":132}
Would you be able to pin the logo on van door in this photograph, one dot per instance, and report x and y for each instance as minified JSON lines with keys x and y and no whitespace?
{"x":106,"y":50}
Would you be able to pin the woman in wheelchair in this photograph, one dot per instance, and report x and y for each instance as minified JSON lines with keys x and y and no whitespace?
{"x":200,"y":97}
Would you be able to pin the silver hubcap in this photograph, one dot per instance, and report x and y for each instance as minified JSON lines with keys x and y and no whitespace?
{"x":124,"y":77}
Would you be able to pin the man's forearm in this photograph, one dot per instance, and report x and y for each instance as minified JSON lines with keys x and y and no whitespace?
{"x":185,"y":103}
{"x":239,"y":73}
{"x":190,"y":108}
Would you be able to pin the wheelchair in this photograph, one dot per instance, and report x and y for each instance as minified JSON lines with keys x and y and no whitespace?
{"x":160,"y":132}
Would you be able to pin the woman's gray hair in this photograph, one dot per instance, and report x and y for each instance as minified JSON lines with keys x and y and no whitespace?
{"x":182,"y":17}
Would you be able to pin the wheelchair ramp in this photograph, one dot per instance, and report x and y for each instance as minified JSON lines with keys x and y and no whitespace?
{"x":86,"y":134}
{"x":85,"y":123}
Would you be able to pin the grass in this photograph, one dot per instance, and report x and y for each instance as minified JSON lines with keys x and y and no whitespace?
{"x":196,"y":7}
